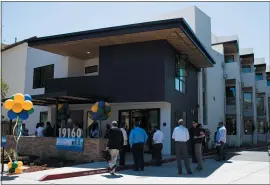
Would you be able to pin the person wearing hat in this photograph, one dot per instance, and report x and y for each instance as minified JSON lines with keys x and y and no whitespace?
{"x":181,"y":137}
{"x":115,"y":143}
{"x":137,"y":139}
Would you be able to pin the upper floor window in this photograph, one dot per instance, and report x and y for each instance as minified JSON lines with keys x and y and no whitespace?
{"x":181,"y":73}
{"x":229,"y":58}
{"x":41,"y":75}
{"x":247,"y":100}
{"x":246,"y":69}
{"x":91,"y":69}
{"x":230,"y":95}
{"x":268,"y":82}
{"x":259,"y":76}
{"x":260,"y":106}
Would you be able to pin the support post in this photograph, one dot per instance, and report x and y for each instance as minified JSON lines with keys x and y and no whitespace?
{"x":56,"y":116}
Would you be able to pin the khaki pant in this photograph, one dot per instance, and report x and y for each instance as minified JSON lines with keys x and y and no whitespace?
{"x":198,"y":153}
{"x":181,"y":152}
{"x":114,"y":154}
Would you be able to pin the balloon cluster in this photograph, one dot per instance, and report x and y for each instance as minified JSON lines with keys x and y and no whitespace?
{"x":15,"y":167}
{"x":100,"y":111}
{"x":19,"y":105}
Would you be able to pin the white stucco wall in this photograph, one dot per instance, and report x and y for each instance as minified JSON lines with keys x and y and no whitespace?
{"x":215,"y":91}
{"x":75,"y":67}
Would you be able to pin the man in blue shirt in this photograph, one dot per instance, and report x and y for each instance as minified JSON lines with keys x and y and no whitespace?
{"x":221,"y":141}
{"x":137,"y":139}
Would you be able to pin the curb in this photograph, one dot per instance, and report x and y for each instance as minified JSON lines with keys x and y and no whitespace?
{"x":127,"y":167}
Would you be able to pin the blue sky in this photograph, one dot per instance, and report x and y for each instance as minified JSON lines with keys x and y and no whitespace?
{"x":250,"y":20}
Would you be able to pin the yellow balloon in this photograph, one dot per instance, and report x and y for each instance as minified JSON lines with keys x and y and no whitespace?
{"x":20,"y":163}
{"x":94,"y":108}
{"x":27,"y":105}
{"x":17,"y":107}
{"x":9,"y":165}
{"x":9,"y":104}
{"x":60,"y":106}
{"x":19,"y":98}
{"x":18,"y":170}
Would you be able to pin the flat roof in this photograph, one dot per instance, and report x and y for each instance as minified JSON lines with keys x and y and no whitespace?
{"x":176,"y":31}
{"x":17,"y":43}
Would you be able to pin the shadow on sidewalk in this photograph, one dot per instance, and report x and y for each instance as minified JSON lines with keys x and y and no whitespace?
{"x":8,"y":178}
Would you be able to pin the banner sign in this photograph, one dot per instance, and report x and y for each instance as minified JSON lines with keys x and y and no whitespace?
{"x":70,"y":144}
{"x":4,"y":141}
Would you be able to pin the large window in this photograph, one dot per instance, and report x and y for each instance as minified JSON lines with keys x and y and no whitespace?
{"x":246,"y":69}
{"x":230,"y":95}
{"x":231,"y":126}
{"x":261,"y":126}
{"x":268,"y":82}
{"x":247,"y":100}
{"x":41,"y":75}
{"x":248,"y":126}
{"x":181,"y":73}
{"x":259,"y":76}
{"x":229,"y":58}
{"x":43,"y":116}
{"x":260,"y":106}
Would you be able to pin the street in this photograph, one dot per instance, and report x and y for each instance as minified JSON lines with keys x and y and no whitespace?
{"x":245,"y":167}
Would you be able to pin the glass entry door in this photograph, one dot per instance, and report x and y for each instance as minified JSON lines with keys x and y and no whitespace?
{"x":148,"y":119}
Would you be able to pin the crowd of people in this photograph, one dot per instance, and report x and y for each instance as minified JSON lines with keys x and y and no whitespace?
{"x":118,"y":143}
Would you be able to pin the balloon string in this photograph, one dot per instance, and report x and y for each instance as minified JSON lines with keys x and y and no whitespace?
{"x":8,"y":156}
{"x":18,"y":135}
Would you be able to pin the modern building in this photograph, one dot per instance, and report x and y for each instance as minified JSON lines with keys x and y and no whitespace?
{"x":157,"y":71}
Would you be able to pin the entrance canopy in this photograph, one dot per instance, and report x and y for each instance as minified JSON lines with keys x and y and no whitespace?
{"x":85,"y":45}
{"x":61,"y":98}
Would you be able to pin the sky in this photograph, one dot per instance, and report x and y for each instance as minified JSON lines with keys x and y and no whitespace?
{"x":249,"y":20}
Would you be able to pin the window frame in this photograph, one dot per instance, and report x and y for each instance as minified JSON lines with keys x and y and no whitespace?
{"x":246,"y":67}
{"x":89,"y":67}
{"x":249,"y":132}
{"x":45,"y":113}
{"x":230,"y":127}
{"x":251,"y":102}
{"x":181,"y":73}
{"x":41,"y":82}
{"x":226,"y":61}
{"x":259,"y":74}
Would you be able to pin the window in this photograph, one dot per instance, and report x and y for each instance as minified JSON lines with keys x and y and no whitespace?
{"x":260,"y":106}
{"x":180,"y":74}
{"x":41,"y":75}
{"x":268,"y":82}
{"x":247,"y":100}
{"x":259,"y":76}
{"x":246,"y":69}
{"x":248,"y":126}
{"x":91,"y":69}
{"x":43,"y":116}
{"x":230,"y":95}
{"x":231,"y":126}
{"x":229,"y":58}
{"x":261,"y":126}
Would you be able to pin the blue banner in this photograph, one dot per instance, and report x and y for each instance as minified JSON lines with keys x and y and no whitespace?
{"x":70,"y":144}
{"x":4,"y":141}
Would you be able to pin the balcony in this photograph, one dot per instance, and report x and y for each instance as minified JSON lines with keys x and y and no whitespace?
{"x":230,"y":105}
{"x":261,"y":86}
{"x":248,"y":79}
{"x":232,"y":70}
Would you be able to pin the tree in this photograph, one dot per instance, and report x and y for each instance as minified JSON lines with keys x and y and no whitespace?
{"x":4,"y":88}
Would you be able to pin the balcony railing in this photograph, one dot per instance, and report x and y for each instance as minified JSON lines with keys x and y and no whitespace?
{"x":230,"y":100}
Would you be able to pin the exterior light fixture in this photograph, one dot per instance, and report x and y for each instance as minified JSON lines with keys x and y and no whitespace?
{"x":88,"y":52}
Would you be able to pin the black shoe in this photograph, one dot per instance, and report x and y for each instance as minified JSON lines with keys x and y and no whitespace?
{"x":135,"y":170}
{"x":190,"y":173}
{"x":112,"y":173}
{"x":193,"y":161}
{"x":179,"y":173}
{"x":199,"y":168}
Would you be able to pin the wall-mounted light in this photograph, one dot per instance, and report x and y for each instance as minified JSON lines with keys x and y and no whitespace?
{"x":88,"y":52}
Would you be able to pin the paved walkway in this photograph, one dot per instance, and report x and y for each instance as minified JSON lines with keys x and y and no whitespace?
{"x":248,"y":167}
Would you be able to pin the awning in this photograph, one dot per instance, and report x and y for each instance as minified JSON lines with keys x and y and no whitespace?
{"x":85,"y":45}
{"x":62,"y":97}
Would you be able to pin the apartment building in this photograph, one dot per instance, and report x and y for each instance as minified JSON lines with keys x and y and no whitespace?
{"x":159,"y":71}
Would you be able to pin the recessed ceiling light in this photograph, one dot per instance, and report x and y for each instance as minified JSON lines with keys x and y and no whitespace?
{"x":88,"y":52}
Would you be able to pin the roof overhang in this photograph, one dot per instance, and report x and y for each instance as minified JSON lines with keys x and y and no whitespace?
{"x":175,"y":31}
{"x":229,"y":46}
{"x":247,"y":59}
{"x":260,"y":67}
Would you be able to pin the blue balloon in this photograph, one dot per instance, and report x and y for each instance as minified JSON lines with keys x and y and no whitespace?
{"x":27,"y":97}
{"x":101,"y":104}
{"x":11,"y":114}
{"x":24,"y":115}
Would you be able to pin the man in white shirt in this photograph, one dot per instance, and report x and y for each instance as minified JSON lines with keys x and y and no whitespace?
{"x":124,"y":147}
{"x":221,"y":141}
{"x":181,"y":136}
{"x":158,"y":138}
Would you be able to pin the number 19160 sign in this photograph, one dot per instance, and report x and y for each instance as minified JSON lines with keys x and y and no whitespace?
{"x":67,"y":132}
